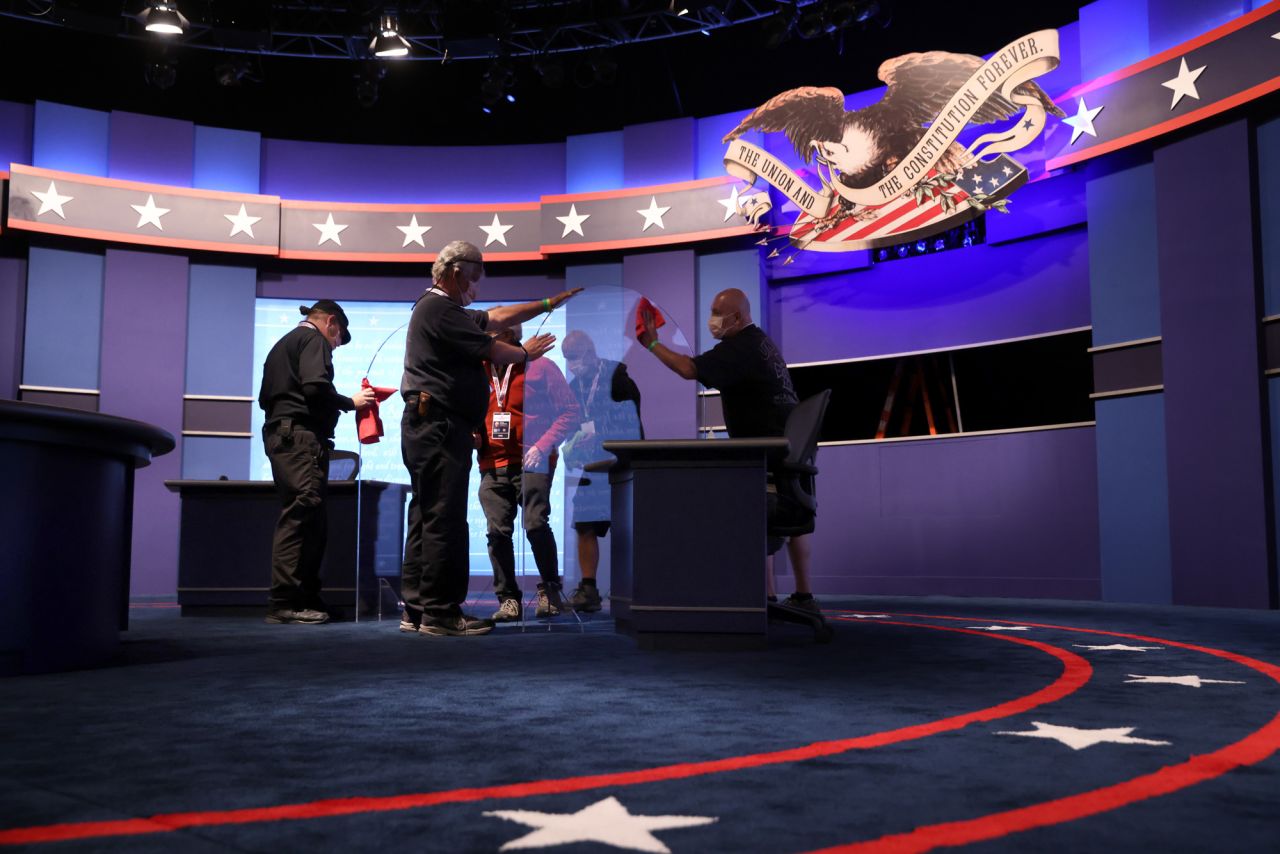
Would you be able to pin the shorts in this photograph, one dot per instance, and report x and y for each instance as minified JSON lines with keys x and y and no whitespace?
{"x":600,"y":529}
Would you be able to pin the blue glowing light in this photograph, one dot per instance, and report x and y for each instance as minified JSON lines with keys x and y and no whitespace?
{"x":511,"y":99}
{"x":487,"y":111}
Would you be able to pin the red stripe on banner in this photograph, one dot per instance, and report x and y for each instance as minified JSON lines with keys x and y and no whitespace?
{"x":1250,"y":750}
{"x":885,"y":220}
{"x":1076,"y":672}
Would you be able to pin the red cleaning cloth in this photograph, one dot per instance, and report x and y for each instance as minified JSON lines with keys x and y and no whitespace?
{"x":643,"y":306}
{"x":368,"y":424}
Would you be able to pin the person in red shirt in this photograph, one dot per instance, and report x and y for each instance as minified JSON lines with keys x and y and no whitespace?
{"x":531,"y":411}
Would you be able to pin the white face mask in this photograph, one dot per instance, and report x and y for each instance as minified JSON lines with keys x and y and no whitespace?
{"x":718,"y":326}
{"x":468,"y":296}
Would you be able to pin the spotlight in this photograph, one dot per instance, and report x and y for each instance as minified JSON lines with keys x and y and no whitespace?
{"x":551,"y":71}
{"x":843,"y":14}
{"x":367,"y":80}
{"x":811,"y":24}
{"x":511,"y":99}
{"x":164,"y":18}
{"x":388,"y":42}
{"x":161,"y":73}
{"x":233,"y":72}
{"x":495,"y":83}
{"x":776,"y":29}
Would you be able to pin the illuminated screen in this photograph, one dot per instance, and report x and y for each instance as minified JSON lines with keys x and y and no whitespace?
{"x":378,"y":331}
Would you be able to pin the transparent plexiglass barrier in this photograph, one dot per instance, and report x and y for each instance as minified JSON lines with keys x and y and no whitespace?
{"x":595,"y":385}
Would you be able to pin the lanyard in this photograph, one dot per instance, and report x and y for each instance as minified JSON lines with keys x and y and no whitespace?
{"x":595,"y":384}
{"x":500,"y":388}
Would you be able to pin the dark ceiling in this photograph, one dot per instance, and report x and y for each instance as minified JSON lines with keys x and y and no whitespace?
{"x":97,"y":57}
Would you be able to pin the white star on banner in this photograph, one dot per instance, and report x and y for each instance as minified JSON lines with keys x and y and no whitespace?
{"x":977,"y":183}
{"x":242,"y":222}
{"x":1079,"y":739}
{"x":1007,"y":171}
{"x":497,"y":231}
{"x":329,"y":230}
{"x":1276,"y":36}
{"x":50,"y":200}
{"x":1082,"y":121}
{"x":607,"y":822}
{"x":730,"y":204}
{"x":573,"y":222}
{"x":373,"y":321}
{"x":149,"y":213}
{"x":1184,"y":83}
{"x":413,"y":232}
{"x":995,"y":182}
{"x":1118,"y":646}
{"x":1188,"y":681}
{"x":653,"y":214}
{"x":1000,"y":628}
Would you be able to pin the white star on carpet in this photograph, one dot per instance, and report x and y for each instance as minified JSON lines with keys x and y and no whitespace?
{"x":653,"y":214}
{"x":1079,"y":739}
{"x":241,"y":223}
{"x":329,"y":230}
{"x":1082,"y":121}
{"x":1184,"y":83}
{"x":50,"y":200}
{"x":730,"y":204}
{"x":1188,"y":681}
{"x":1118,"y":646}
{"x":413,"y":232}
{"x":1000,"y":628}
{"x":573,"y":222}
{"x":149,"y":214}
{"x":607,"y":822}
{"x":496,"y":231}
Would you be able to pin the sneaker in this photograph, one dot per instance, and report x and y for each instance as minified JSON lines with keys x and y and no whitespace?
{"x":810,"y":604}
{"x":407,"y":623}
{"x":297,"y":615}
{"x":455,"y":625}
{"x":585,"y":598}
{"x":509,"y":611}
{"x":549,"y":601}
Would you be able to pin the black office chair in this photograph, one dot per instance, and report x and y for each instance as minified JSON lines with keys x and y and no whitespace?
{"x":343,"y":465}
{"x":793,"y":500}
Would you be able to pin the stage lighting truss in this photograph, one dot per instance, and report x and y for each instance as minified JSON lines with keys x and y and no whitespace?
{"x":330,"y":30}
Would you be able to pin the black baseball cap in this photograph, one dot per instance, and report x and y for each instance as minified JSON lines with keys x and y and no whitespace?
{"x":328,"y":306}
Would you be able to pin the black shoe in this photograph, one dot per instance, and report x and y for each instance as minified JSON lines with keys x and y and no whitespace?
{"x":549,"y":602}
{"x":408,"y":623}
{"x":297,"y":615}
{"x":585,"y":598}
{"x":454,"y":625}
{"x":808,"y":604}
{"x":509,"y":611}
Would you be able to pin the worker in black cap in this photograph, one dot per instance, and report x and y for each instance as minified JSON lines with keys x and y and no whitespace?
{"x":302,"y":408}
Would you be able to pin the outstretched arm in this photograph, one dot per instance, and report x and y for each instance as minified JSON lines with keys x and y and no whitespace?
{"x":508,"y":315}
{"x":677,"y":362}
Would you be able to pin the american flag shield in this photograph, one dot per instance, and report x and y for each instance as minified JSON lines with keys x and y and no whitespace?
{"x":932,"y":206}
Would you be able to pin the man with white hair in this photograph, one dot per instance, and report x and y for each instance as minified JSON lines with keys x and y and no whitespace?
{"x":446,"y":393}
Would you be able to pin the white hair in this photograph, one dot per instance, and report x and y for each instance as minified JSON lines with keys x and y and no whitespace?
{"x":451,"y":254}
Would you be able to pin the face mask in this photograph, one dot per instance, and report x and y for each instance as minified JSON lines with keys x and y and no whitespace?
{"x":718,"y":326}
{"x":469,"y":295}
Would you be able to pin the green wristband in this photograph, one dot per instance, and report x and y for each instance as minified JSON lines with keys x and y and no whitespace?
{"x":652,"y":344}
{"x":546,"y":304}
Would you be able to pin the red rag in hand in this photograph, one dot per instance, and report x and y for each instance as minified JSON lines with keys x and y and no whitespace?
{"x":368,"y":423}
{"x":641,"y":307}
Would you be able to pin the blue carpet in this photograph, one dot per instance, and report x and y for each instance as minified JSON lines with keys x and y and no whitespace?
{"x":217,"y":715}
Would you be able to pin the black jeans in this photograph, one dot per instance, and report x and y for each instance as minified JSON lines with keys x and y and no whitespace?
{"x":436,"y":449}
{"x":300,"y":469}
{"x":500,"y":493}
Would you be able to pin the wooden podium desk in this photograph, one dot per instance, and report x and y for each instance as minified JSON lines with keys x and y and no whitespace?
{"x":688,"y":540}
{"x":224,"y":555}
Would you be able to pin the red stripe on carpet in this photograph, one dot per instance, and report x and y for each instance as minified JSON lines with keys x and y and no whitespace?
{"x":1250,"y":750}
{"x":1076,"y":671}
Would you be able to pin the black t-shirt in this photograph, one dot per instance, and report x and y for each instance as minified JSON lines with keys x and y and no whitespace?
{"x":444,"y":356}
{"x":754,"y":383}
{"x":297,"y":381}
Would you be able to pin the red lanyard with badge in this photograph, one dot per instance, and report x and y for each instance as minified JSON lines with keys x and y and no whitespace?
{"x":500,"y":431}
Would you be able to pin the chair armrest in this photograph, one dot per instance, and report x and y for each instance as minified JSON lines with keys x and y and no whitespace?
{"x":797,"y":468}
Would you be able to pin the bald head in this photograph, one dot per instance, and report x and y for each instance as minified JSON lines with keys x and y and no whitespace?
{"x":730,"y":313}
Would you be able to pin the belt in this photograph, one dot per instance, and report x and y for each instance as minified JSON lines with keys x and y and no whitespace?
{"x":435,"y":410}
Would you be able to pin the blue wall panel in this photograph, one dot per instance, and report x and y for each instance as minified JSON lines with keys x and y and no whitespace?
{"x":1123,"y":266}
{"x":16,"y":123}
{"x":227,"y":160}
{"x":1040,"y":207}
{"x":593,"y":162}
{"x":1113,"y":34}
{"x":212,"y":457}
{"x":64,"y":318}
{"x":659,"y":152}
{"x":220,"y":329}
{"x":1133,"y":500}
{"x":737,"y":268}
{"x":1268,"y":146}
{"x":72,"y":139}
{"x":1172,"y":22}
{"x":710,"y":131}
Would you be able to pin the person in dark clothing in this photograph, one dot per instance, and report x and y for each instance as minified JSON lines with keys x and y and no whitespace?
{"x":302,"y":408}
{"x":610,"y":402}
{"x":755,"y":393}
{"x":446,"y":393}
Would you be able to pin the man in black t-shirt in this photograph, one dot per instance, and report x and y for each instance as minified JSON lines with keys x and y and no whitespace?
{"x":302,"y":408}
{"x":755,"y":393}
{"x":446,"y":393}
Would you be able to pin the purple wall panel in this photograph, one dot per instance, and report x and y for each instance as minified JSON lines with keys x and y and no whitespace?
{"x":1209,"y":305}
{"x":143,"y":369}
{"x":16,"y":127}
{"x":669,"y":403}
{"x":965,"y":296}
{"x":150,"y":148}
{"x":660,"y":152}
{"x":392,"y":174}
{"x":13,"y":313}
{"x":407,"y":286}
{"x":1004,"y":515}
